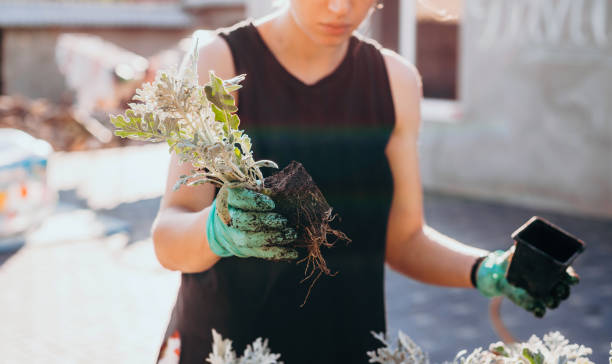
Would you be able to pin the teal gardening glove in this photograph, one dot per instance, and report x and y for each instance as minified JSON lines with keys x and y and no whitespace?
{"x":491,"y":282}
{"x":255,"y":231}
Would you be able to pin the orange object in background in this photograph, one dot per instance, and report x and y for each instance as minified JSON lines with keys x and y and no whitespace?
{"x":3,"y":195}
{"x":25,"y":197}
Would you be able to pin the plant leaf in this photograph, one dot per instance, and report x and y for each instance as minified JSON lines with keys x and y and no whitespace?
{"x":537,"y":358}
{"x":234,"y":121}
{"x":220,"y":115}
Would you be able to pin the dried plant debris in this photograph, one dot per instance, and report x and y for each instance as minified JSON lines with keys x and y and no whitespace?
{"x":200,"y":125}
{"x":55,"y":123}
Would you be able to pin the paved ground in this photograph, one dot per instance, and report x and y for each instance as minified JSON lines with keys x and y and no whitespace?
{"x":443,"y":320}
{"x":71,"y":295}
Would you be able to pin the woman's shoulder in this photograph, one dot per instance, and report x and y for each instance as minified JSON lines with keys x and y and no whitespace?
{"x":236,"y":29}
{"x":406,"y":88}
{"x":404,"y":80}
{"x":365,"y":41}
{"x":215,"y":54}
{"x":396,"y":64}
{"x":400,"y":68}
{"x":403,"y":75}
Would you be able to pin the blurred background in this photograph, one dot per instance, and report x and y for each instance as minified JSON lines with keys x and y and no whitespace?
{"x":516,"y":123}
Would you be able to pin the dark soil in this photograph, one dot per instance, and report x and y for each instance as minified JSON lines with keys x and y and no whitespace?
{"x":298,"y":198}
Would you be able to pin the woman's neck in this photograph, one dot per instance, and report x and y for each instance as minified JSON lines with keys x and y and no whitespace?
{"x":296,"y":51}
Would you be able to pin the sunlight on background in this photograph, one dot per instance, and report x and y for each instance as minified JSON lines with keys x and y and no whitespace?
{"x":93,"y":301}
{"x":512,"y":114}
{"x":107,"y":178}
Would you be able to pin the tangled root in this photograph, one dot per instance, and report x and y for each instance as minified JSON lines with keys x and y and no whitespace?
{"x":299,"y":199}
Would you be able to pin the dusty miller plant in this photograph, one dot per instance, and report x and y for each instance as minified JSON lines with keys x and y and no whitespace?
{"x":256,"y":353}
{"x":553,"y":349}
{"x":404,"y":351}
{"x":199,"y":124}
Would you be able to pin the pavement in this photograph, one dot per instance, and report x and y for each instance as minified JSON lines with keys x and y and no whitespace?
{"x":445,"y":320}
{"x":76,"y":294}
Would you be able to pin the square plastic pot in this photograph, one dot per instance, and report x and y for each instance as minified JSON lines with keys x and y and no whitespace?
{"x":542,"y":254}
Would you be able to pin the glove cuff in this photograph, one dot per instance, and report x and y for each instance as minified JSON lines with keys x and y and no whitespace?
{"x":475,"y":267}
{"x":490,"y":273}
{"x":213,"y":242}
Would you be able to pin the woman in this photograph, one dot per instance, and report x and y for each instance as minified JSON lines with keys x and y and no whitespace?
{"x":349,"y":111}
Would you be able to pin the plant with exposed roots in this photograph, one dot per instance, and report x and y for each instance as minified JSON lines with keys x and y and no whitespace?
{"x":200,"y":125}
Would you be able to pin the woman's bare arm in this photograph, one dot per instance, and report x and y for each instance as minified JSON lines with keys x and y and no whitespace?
{"x":413,"y":248}
{"x":179,"y":230}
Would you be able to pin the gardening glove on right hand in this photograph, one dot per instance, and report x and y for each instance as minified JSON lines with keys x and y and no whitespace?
{"x":491,"y":282}
{"x":255,"y":231}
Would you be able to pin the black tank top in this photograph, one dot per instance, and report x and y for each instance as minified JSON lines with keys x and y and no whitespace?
{"x":338,"y":129}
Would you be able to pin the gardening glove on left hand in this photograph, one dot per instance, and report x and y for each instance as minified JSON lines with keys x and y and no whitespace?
{"x":491,"y":281}
{"x":255,"y":231}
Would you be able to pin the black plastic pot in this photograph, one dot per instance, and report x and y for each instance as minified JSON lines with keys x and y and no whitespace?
{"x":542,"y":254}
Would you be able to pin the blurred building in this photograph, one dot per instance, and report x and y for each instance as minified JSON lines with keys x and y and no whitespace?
{"x":517,"y":93}
{"x":437,"y":47}
{"x":29,"y":31}
{"x":531,"y":122}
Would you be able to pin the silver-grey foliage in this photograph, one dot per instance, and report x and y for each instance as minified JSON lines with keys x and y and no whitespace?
{"x":256,"y":353}
{"x":552,"y":349}
{"x":198,"y":123}
{"x":405,"y":351}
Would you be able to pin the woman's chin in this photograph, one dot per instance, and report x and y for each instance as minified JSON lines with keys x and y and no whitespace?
{"x":331,"y":40}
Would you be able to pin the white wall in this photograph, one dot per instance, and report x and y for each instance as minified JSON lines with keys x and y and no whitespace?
{"x":536,"y":90}
{"x":258,"y":8}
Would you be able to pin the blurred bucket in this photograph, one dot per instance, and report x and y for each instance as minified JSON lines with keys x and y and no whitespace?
{"x":25,"y":197}
{"x":542,"y":254}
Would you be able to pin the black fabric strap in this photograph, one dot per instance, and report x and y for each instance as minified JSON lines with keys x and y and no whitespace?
{"x":475,"y":269}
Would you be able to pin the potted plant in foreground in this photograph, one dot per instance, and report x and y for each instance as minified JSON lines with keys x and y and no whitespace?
{"x":553,"y":348}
